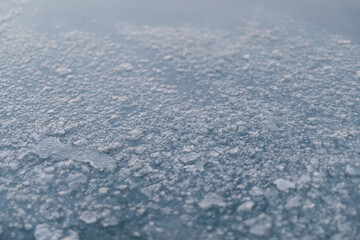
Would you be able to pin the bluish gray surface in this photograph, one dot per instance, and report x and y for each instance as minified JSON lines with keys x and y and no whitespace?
{"x":217,"y":120}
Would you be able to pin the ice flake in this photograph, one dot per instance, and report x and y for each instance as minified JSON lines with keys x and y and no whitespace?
{"x":284,"y":185}
{"x":122,"y":187}
{"x":234,"y":150}
{"x":125,"y":67}
{"x":304,"y":180}
{"x":188,"y":158}
{"x":52,"y":147}
{"x":103,"y":190}
{"x":269,"y":123}
{"x":44,"y":232}
{"x":168,"y":57}
{"x":72,"y":236}
{"x":262,"y":226}
{"x":256,"y":191}
{"x":358,"y":74}
{"x":136,"y":134}
{"x":63,"y":71}
{"x":351,"y":171}
{"x":109,"y":221}
{"x":76,"y":180}
{"x":95,"y":158}
{"x":88,"y":217}
{"x":212,"y":199}
{"x":246,"y":206}
{"x":293,"y":202}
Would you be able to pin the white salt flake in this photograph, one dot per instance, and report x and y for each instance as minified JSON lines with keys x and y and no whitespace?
{"x":188,"y":158}
{"x":284,"y":185}
{"x":43,"y":232}
{"x":88,"y":217}
{"x":63,"y":71}
{"x":109,"y":221}
{"x":304,"y":180}
{"x":352,"y":171}
{"x":234,"y":150}
{"x":135,"y":134}
{"x":126,"y":67}
{"x":72,"y":236}
{"x":52,"y":147}
{"x":168,"y":57}
{"x":95,"y":158}
{"x":212,"y":199}
{"x":293,"y":202}
{"x":103,"y":190}
{"x":260,"y":229}
{"x":256,"y":191}
{"x":246,"y":206}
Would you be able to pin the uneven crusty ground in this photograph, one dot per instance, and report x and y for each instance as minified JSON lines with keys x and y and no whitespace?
{"x":179,"y":133}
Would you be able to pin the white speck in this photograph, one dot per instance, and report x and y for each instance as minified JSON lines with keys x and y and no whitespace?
{"x":269,"y":123}
{"x":109,"y":221}
{"x":122,"y":187}
{"x":27,"y":226}
{"x":72,"y":236}
{"x":81,"y":142}
{"x":188,"y":158}
{"x":136,"y":234}
{"x":88,"y":217}
{"x":284,"y":185}
{"x":135,"y":134}
{"x":234,"y":150}
{"x":262,"y":225}
{"x":358,"y":75}
{"x":352,"y":171}
{"x":327,"y":67}
{"x":293,"y":202}
{"x":212,"y":199}
{"x":246,"y":206}
{"x":126,"y":67}
{"x":343,"y":41}
{"x":304,"y":180}
{"x":256,"y":191}
{"x":63,"y":71}
{"x":103,"y":190}
{"x":43,"y":232}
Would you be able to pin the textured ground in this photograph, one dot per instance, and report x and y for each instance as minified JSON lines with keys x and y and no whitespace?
{"x":178,"y":133}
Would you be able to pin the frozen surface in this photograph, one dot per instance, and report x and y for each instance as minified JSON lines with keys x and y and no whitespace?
{"x":166,"y":132}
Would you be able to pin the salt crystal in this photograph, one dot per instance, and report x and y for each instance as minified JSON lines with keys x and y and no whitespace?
{"x":88,"y":217}
{"x":284,"y":185}
{"x":72,"y":236}
{"x":246,"y":206}
{"x":42,"y":232}
{"x":126,"y":67}
{"x":256,"y":191}
{"x":103,"y":190}
{"x":212,"y":199}
{"x":352,"y":171}
{"x":293,"y":202}
{"x":63,"y":71}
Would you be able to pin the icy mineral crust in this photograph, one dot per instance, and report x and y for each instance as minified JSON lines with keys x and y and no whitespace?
{"x":178,"y":133}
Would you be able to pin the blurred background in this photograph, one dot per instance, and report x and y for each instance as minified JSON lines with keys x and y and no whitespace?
{"x":337,"y":17}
